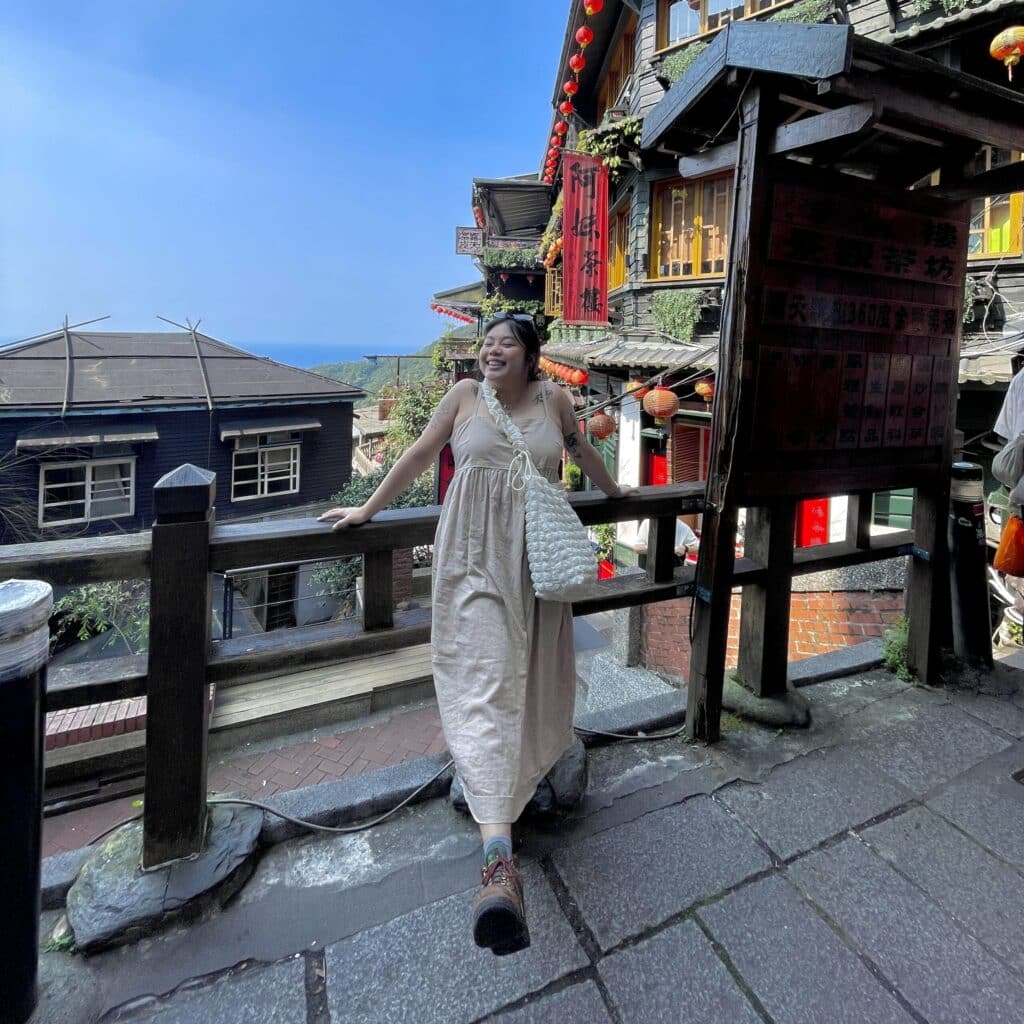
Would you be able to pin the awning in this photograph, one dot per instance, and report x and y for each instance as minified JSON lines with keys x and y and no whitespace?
{"x":267,"y":425}
{"x":77,"y":435}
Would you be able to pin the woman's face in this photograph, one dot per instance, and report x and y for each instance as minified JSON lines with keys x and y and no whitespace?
{"x":502,"y":357}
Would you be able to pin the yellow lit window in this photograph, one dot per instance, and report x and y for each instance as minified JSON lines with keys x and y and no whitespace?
{"x":618,"y":247}
{"x":620,"y":67}
{"x":996,"y":220}
{"x":690,"y":228}
{"x":683,"y":19}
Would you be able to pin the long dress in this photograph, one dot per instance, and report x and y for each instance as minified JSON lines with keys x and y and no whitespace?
{"x":504,"y":662}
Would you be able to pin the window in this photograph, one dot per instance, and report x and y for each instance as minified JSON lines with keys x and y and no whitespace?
{"x":618,"y":247}
{"x":264,"y":466}
{"x":684,"y":19}
{"x":691,"y":227}
{"x":620,"y":67}
{"x":80,"y":492}
{"x":995,"y":221}
{"x":553,"y":291}
{"x":691,"y":453}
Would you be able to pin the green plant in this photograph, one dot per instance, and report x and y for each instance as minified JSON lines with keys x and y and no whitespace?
{"x":948,"y":6}
{"x":970,"y":294}
{"x":604,"y":534}
{"x":677,"y":311}
{"x":119,"y":607}
{"x":894,"y":651}
{"x":553,"y":229}
{"x":806,"y":12}
{"x":573,"y":476}
{"x":410,"y":416}
{"x":523,"y":259}
{"x":678,"y":62}
{"x":612,"y":142}
{"x":498,"y":303}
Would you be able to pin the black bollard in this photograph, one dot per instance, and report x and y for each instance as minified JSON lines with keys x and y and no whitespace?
{"x":972,"y":622}
{"x":24,"y":646}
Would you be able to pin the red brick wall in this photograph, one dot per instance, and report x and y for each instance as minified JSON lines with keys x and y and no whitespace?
{"x":401,"y":575}
{"x":819,"y":622}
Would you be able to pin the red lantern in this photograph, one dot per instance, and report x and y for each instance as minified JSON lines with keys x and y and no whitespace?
{"x":705,"y":388}
{"x":661,"y":403}
{"x":504,"y":277}
{"x":567,"y":107}
{"x":571,"y":87}
{"x":1008,"y":47}
{"x":576,"y":376}
{"x":601,"y":425}
{"x":593,"y":6}
{"x":561,"y":127}
{"x":577,"y":62}
{"x":584,"y":36}
{"x":636,"y":389}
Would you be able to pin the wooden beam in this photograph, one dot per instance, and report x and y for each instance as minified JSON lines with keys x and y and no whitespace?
{"x":71,"y":563}
{"x":711,"y":161}
{"x":998,"y":181}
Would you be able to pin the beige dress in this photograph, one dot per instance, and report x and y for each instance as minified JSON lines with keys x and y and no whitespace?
{"x":504,"y":662}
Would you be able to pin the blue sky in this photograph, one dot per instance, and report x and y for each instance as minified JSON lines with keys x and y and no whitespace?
{"x":292,"y":174}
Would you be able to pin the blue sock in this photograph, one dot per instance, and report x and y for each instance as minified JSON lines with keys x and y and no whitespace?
{"x":497,"y":846}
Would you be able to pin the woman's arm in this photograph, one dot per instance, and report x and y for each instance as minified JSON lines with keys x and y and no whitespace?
{"x":580,"y":450}
{"x":415,"y":461}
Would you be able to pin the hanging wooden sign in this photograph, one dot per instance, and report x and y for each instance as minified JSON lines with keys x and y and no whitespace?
{"x":585,"y":231}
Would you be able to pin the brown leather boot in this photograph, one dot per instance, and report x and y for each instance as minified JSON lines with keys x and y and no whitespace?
{"x":499,"y":912}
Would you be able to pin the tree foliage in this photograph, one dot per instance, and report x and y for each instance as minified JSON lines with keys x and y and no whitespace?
{"x":119,"y":608}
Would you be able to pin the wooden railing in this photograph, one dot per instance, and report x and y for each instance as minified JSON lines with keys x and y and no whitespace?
{"x":185,"y":548}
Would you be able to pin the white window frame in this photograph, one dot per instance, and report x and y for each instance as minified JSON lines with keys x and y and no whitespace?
{"x":89,"y":465}
{"x":262,"y":450}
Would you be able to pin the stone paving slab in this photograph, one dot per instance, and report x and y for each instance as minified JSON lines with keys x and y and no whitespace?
{"x":999,"y":712}
{"x":633,"y":877}
{"x":983,"y":893}
{"x":276,"y":993}
{"x":579,"y":1004}
{"x":798,"y":968}
{"x":838,"y":698}
{"x":423,"y":967}
{"x":675,"y":976}
{"x":988,"y":804}
{"x":927,"y":744}
{"x":811,"y":798}
{"x":938,"y":967}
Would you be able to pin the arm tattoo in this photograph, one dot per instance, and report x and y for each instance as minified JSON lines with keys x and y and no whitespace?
{"x":439,"y":413}
{"x":538,"y":398}
{"x":572,"y":442}
{"x":476,"y":390}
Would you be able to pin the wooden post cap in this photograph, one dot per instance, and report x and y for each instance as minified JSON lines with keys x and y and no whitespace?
{"x":185,"y":493}
{"x":25,"y":607}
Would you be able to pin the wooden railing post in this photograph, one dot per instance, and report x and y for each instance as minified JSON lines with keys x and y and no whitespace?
{"x":378,"y":590}
{"x":174,"y":823}
{"x":661,"y":544}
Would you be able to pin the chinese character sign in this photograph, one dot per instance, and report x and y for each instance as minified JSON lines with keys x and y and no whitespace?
{"x":585,"y":247}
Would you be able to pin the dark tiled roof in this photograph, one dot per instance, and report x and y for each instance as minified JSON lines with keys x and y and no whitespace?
{"x":151,"y":369}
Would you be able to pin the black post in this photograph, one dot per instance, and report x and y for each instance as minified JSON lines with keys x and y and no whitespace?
{"x":174,"y":819}
{"x":24,"y":647}
{"x":972,"y":622}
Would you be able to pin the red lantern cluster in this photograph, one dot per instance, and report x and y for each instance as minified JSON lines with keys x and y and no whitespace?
{"x":570,"y":374}
{"x":478,"y":215}
{"x":453,"y":313}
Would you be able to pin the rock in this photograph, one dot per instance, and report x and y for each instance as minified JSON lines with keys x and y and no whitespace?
{"x":790,"y":708}
{"x":562,"y":787}
{"x":114,"y":901}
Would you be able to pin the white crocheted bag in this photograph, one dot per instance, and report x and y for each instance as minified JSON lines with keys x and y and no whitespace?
{"x":562,"y":561}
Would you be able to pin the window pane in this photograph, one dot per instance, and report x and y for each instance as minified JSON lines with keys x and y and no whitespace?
{"x":675,"y":246}
{"x":715,"y":225}
{"x":721,"y":12}
{"x":683,"y":20}
{"x":63,"y":494}
{"x":111,"y":492}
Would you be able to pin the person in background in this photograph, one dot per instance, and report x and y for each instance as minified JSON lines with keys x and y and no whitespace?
{"x":686,"y":540}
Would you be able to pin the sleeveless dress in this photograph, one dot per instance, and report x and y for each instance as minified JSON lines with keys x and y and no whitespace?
{"x":504,"y":663}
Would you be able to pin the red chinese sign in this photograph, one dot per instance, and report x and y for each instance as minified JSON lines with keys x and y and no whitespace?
{"x":585,"y":233}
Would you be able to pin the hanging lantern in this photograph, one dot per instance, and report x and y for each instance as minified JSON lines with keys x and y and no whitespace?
{"x":660,"y":403}
{"x":530,"y":278}
{"x":567,"y":107}
{"x":600,"y":425}
{"x":593,"y":7}
{"x":571,"y":87}
{"x":705,"y":388}
{"x":584,"y":36}
{"x":561,"y":127}
{"x":578,"y":376}
{"x":636,"y":389}
{"x":504,"y":277}
{"x":577,"y":62}
{"x":1008,"y":47}
{"x":478,"y":216}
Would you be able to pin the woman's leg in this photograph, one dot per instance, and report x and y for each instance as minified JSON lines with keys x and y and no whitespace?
{"x":499,"y":911}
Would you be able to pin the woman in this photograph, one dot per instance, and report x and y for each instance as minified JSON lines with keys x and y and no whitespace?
{"x":504,"y":665}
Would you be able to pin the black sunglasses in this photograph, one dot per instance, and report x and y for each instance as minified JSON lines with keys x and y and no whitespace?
{"x":526,"y":318}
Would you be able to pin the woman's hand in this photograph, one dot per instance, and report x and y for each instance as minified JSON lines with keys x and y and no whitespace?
{"x":345,"y":516}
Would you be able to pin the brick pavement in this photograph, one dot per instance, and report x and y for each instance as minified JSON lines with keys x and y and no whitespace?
{"x":263,"y":772}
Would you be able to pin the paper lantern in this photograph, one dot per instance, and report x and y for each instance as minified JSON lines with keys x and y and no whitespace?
{"x":1008,"y":47}
{"x":571,"y":87}
{"x":561,"y":128}
{"x":566,"y":107}
{"x":636,"y":389}
{"x":593,"y":6}
{"x":705,"y":388}
{"x":578,"y":377}
{"x":584,"y":36}
{"x":601,"y":425}
{"x":577,"y":62}
{"x":660,"y":403}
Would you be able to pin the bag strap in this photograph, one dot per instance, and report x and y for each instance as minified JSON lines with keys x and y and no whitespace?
{"x":521,"y":468}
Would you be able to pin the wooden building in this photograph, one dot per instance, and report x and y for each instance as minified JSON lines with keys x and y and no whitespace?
{"x":89,"y":421}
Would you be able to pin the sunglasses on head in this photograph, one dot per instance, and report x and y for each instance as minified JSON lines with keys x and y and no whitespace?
{"x":526,"y":318}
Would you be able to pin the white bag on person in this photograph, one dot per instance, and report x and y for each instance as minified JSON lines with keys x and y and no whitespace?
{"x":1008,"y":465}
{"x":563,"y":564}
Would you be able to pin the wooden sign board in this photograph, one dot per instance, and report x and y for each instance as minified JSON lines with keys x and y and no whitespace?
{"x":469,"y":241}
{"x":853,"y":362}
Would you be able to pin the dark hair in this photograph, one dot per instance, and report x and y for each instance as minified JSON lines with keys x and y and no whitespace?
{"x":524,"y":329}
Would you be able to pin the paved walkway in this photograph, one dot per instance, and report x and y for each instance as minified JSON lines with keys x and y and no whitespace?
{"x":868,"y":869}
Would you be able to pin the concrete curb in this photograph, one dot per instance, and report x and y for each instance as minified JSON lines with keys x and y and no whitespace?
{"x":847,"y":661}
